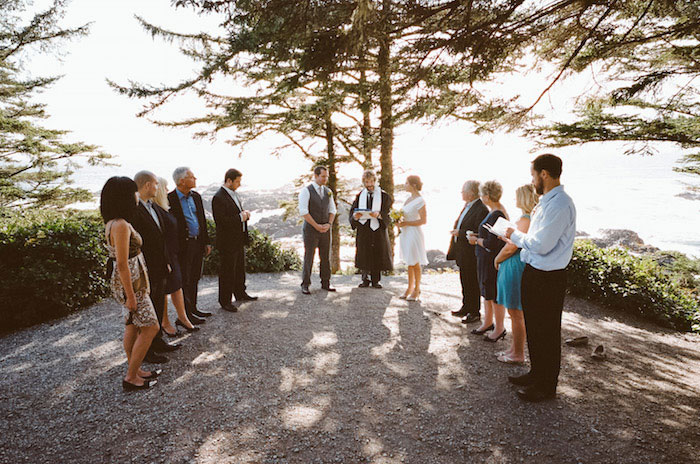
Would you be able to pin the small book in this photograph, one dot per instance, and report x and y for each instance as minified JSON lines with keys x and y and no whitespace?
{"x":500,"y":227}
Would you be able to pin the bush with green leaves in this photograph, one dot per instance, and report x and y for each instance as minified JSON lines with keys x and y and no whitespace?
{"x":52,"y":265}
{"x":262,"y":255}
{"x":637,"y":285}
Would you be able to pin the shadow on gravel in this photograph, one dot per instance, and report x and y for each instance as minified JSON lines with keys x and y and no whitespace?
{"x":353,"y":376}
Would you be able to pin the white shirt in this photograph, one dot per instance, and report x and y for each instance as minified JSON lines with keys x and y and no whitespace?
{"x":236,"y":200}
{"x":304,"y":199}
{"x":549,"y":243}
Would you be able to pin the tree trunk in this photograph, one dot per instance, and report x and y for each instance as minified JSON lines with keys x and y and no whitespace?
{"x":333,"y":185}
{"x":365,"y":107}
{"x":386,"y":180}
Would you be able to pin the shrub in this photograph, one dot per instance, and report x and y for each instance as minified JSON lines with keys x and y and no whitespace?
{"x":632,"y":284}
{"x":262,"y":254}
{"x":52,"y":265}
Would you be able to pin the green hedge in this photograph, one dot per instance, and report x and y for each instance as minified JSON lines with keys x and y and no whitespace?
{"x":262,"y":255}
{"x":52,"y":265}
{"x":621,"y":281}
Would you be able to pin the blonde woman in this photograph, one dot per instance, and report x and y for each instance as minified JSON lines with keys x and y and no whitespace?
{"x":489,"y":245}
{"x":173,"y":286}
{"x":510,"y":273}
{"x":412,"y":241}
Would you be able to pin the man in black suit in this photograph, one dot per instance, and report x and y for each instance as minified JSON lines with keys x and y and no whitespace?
{"x":148,"y":222}
{"x":187,"y":207}
{"x":462,"y":252}
{"x":231,"y":237}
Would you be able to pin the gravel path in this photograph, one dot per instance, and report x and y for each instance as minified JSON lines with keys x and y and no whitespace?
{"x":356,"y":376}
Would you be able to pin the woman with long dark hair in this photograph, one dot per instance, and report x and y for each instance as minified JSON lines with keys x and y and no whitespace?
{"x":129,"y":278}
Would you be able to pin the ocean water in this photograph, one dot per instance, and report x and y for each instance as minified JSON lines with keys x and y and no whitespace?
{"x":611,"y":190}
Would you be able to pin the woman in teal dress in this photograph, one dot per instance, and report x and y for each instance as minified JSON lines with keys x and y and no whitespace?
{"x":510,"y":272}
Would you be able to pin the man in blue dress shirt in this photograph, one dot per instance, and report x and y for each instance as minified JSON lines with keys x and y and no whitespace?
{"x":547,"y":248}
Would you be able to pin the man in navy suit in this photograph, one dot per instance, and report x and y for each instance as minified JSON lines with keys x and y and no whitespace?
{"x":231,"y":237}
{"x":148,"y":222}
{"x":193,"y":240}
{"x":462,"y":252}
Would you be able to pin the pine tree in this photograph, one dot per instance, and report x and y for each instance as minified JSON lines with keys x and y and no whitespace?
{"x":35,"y":162}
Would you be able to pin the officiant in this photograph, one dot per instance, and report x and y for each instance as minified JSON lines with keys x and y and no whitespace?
{"x":370,"y":218}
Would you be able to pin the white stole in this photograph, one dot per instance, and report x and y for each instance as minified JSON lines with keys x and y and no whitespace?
{"x":376,"y":206}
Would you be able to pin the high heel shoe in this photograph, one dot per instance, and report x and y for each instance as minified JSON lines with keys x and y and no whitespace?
{"x":494,"y":340}
{"x":482,"y":332}
{"x":128,"y":386}
{"x":405,"y":295}
{"x":171,"y":335}
{"x":189,"y":330}
{"x":413,"y":297}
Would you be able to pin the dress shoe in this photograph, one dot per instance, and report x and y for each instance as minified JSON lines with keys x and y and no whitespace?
{"x":195,"y":320}
{"x":128,"y":386}
{"x":461,"y":313}
{"x":247,"y":297}
{"x":469,"y":318}
{"x":165,"y":347}
{"x":305,"y":290}
{"x":193,"y":329}
{"x":377,"y":285}
{"x":328,"y":288}
{"x":523,"y":380}
{"x":155,"y":358}
{"x":535,"y":395}
{"x":199,"y":313}
{"x":364,"y":284}
{"x":494,"y":340}
{"x":230,"y":307}
{"x":482,"y":332}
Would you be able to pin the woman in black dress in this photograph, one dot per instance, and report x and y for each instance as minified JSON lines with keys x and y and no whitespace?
{"x":488,"y":246}
{"x":173,"y":286}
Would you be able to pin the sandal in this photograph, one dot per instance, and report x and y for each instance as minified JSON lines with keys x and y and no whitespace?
{"x":508,"y":360}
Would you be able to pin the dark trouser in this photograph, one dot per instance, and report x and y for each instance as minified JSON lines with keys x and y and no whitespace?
{"x":191,"y":259}
{"x":543,"y":301}
{"x":231,"y":275}
{"x":312,"y":240}
{"x":471,"y":297}
{"x":375,"y":276}
{"x":158,"y":299}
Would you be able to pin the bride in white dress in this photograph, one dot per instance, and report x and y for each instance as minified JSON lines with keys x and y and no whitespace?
{"x":412,"y":242}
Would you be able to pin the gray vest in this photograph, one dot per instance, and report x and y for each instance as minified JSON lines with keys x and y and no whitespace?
{"x":318,"y":207}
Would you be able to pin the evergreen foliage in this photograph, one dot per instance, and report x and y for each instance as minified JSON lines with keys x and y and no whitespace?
{"x":35,"y":162}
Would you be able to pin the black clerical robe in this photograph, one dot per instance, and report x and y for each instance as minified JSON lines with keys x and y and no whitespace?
{"x":373,"y":251}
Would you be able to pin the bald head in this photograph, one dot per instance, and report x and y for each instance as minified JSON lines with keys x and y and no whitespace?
{"x":143,"y":177}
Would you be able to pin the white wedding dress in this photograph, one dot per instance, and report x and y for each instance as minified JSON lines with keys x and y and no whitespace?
{"x":411,"y":240}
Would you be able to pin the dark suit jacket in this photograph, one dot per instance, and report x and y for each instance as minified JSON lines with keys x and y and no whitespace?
{"x":182,"y":232}
{"x":154,"y":248}
{"x":460,"y":250}
{"x":231,"y":232}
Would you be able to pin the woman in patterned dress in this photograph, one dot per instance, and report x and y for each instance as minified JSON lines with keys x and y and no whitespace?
{"x":129,"y":278}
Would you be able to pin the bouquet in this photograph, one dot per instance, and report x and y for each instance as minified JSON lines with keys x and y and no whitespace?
{"x":396,"y":216}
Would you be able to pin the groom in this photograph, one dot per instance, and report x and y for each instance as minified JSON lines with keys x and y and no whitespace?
{"x":462,"y":252}
{"x":318,"y":209}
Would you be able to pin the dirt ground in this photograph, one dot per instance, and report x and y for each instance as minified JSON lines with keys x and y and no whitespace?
{"x":355,"y":376}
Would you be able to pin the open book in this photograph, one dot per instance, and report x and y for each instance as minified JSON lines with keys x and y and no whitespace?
{"x":500,"y":227}
{"x":365,"y":213}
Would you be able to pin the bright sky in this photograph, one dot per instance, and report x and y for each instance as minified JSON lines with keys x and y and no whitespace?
{"x":611,"y":190}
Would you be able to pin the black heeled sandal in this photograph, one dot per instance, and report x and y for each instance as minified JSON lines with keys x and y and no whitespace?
{"x":128,"y":386}
{"x":154,"y":373}
{"x":482,"y":332}
{"x":180,"y":324}
{"x":494,"y":340}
